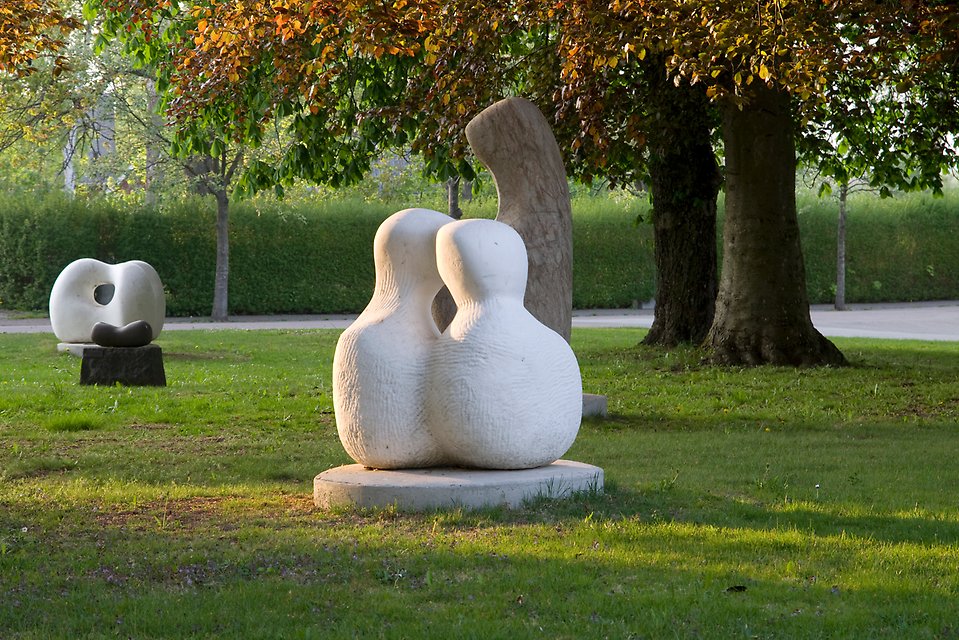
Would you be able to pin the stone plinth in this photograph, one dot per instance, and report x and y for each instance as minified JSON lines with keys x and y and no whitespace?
{"x":448,"y":487}
{"x":130,"y":366}
{"x":594,"y":405}
{"x":74,"y":348}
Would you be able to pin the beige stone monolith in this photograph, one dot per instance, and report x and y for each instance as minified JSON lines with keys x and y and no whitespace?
{"x":515,"y":142}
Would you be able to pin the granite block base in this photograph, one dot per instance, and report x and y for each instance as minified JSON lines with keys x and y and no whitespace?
{"x":128,"y":366}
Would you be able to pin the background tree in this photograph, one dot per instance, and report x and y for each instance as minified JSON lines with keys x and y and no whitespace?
{"x":771,"y":67}
{"x":213,"y":146}
{"x":353,"y":76}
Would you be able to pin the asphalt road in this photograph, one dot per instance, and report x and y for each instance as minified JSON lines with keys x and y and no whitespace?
{"x":903,"y":321}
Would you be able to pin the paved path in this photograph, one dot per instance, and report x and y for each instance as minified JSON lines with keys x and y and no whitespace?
{"x":916,"y":321}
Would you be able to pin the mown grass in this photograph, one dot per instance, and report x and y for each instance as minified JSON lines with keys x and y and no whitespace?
{"x":770,"y":503}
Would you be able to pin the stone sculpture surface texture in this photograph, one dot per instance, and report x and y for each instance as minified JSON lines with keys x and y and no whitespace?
{"x":504,"y":390}
{"x":380,"y":360}
{"x":137,"y":295}
{"x":496,"y":390}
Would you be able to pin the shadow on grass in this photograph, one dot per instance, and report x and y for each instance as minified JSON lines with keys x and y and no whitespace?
{"x":168,"y":567}
{"x":670,"y":504}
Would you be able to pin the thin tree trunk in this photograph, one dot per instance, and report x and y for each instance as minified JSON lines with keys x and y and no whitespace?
{"x":153,"y":173}
{"x":221,"y":279}
{"x":841,"y":249}
{"x":762,"y":312}
{"x":685,"y":181}
{"x":444,"y":308}
{"x":453,"y":198}
{"x":69,"y":168}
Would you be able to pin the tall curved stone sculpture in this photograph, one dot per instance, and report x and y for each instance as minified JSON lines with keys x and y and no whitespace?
{"x":515,"y":142}
{"x":88,"y":292}
{"x":379,"y":367}
{"x":504,"y":391}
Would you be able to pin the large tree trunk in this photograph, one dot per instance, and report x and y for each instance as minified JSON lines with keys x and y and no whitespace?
{"x":762,"y":312}
{"x":221,"y":279}
{"x":685,"y":181}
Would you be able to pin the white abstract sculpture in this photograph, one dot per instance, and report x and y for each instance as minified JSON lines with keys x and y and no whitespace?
{"x":380,"y":361}
{"x":496,"y":390}
{"x":504,"y":390}
{"x":88,"y":291}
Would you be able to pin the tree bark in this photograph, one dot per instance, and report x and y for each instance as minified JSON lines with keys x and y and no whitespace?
{"x":221,"y":279}
{"x":762,"y":311}
{"x":153,"y":170}
{"x":453,"y":198}
{"x":69,"y":168}
{"x":684,"y":182}
{"x":443,"y":306}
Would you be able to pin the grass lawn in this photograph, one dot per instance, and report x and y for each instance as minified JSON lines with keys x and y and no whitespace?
{"x":754,"y":503}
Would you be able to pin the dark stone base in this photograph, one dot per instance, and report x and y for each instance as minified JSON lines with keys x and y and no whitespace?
{"x":130,"y":366}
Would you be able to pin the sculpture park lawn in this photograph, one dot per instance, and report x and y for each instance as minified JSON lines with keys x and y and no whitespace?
{"x":740,"y":503}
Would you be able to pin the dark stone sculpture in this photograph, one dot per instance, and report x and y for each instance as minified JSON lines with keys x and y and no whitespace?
{"x":135,"y":334}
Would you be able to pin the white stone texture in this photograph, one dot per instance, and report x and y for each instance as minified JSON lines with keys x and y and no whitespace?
{"x":422,"y":489}
{"x":138,"y":295}
{"x":379,"y":367}
{"x":504,"y":391}
{"x":497,"y":390}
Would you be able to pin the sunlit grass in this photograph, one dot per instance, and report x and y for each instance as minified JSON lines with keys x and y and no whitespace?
{"x":740,"y":503}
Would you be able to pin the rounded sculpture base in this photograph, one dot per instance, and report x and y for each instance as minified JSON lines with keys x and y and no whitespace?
{"x":445,"y":487}
{"x":74,"y":348}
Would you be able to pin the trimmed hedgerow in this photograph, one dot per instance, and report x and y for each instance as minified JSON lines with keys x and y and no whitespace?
{"x":310,"y":259}
{"x":897,"y":249}
{"x":316,"y":257}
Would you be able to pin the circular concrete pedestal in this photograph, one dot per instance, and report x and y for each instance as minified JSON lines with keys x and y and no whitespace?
{"x":423,"y":489}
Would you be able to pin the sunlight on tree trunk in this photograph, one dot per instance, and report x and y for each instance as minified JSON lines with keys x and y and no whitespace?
{"x":762,"y":312}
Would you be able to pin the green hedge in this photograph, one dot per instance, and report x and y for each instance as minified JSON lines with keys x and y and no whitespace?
{"x":317,"y":257}
{"x":897,"y":249}
{"x":281,"y":260}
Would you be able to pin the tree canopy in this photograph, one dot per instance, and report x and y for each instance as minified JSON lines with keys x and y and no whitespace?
{"x":31,"y":29}
{"x":342,"y":67}
{"x":870,"y":83}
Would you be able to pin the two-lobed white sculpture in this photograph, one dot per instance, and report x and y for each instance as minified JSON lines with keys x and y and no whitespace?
{"x":89,"y":291}
{"x":496,"y":390}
